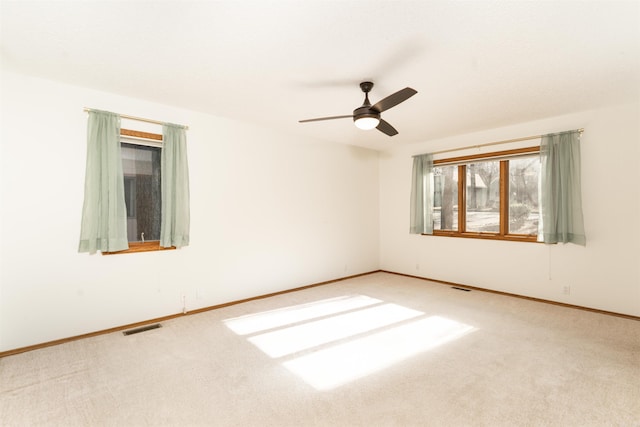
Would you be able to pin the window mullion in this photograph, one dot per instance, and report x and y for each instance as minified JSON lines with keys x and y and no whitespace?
{"x":504,"y":197}
{"x":462,"y":198}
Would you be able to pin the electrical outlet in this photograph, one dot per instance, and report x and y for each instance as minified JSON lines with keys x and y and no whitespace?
{"x":566,"y":290}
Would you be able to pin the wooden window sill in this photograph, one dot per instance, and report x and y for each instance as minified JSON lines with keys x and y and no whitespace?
{"x":141,"y":247}
{"x":487,"y":236}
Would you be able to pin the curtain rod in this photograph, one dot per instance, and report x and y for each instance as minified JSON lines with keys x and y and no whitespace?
{"x":526,"y":138}
{"x":139,"y":119}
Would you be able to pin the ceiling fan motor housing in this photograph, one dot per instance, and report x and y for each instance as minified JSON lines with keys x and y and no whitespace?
{"x":365,"y":111}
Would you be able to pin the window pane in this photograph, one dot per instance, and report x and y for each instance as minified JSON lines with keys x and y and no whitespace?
{"x":445,"y":200}
{"x":483,"y":197}
{"x":524,"y":213}
{"x":141,"y":167}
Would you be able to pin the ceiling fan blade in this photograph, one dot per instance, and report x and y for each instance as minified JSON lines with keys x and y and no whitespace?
{"x":350,"y":116}
{"x":394,"y":99}
{"x":385,"y":127}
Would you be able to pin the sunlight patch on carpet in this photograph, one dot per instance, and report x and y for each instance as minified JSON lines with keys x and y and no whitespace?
{"x":266,"y":320}
{"x":334,"y":366}
{"x":293,"y":339}
{"x":331,"y":342}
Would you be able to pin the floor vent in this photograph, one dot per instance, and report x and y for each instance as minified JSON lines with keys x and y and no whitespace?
{"x":460,"y":289}
{"x":142,"y":329}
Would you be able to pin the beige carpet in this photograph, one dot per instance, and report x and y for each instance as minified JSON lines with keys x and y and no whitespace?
{"x":377,"y":350}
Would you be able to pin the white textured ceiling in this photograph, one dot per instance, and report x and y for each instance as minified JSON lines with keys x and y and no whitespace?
{"x":475,"y":64}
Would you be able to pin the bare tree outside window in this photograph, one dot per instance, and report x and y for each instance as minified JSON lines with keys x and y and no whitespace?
{"x":524,"y":211}
{"x":445,"y":206}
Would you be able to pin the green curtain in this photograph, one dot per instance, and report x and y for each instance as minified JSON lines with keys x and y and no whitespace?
{"x":174,"y":229}
{"x":104,"y":215}
{"x":561,"y":193}
{"x":421,"y":220}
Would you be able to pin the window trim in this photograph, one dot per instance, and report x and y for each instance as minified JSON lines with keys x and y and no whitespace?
{"x":495,"y":155}
{"x":503,"y":233}
{"x":141,"y":135}
{"x":153,"y":245}
{"x":156,"y":140}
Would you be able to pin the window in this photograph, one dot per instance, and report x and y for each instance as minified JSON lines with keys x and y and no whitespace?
{"x":445,"y":200}
{"x":524,"y":207}
{"x":492,"y":196}
{"x":142,"y":192}
{"x":141,"y":166}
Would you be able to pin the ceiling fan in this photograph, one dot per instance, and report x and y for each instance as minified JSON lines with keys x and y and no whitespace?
{"x":367,"y":116}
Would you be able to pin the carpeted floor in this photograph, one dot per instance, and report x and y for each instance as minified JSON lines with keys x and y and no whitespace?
{"x":376,"y":350}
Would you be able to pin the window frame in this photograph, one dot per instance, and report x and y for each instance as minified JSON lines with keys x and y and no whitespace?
{"x":151,"y":245}
{"x":462,"y":162}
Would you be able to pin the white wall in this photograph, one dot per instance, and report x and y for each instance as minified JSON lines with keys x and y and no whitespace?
{"x":268,"y":212}
{"x":603,"y":275}
{"x":271,"y":212}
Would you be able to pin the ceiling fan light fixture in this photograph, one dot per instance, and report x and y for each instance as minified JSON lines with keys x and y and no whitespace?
{"x":366,"y":123}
